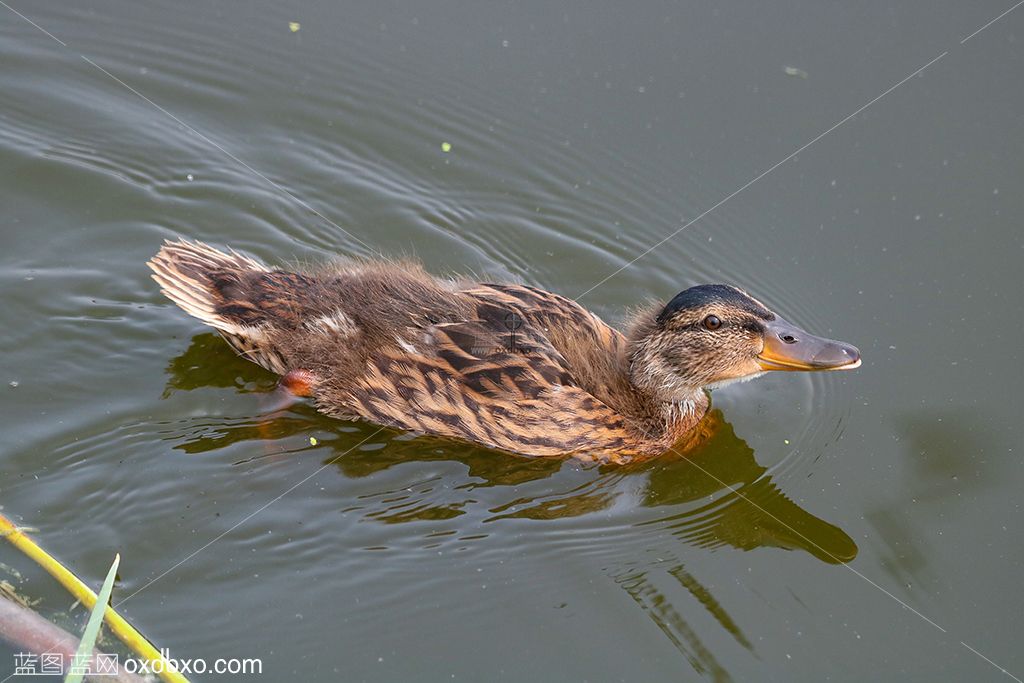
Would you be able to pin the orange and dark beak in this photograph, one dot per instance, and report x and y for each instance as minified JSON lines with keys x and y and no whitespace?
{"x":787,"y":347}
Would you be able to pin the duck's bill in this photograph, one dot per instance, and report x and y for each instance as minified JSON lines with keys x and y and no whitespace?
{"x":787,"y":347}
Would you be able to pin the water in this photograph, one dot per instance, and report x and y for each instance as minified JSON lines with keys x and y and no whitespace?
{"x":841,"y":527}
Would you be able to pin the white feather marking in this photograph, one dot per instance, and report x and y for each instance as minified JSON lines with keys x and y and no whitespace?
{"x":679,"y":410}
{"x":255,"y":335}
{"x":734,"y":380}
{"x":337,"y":323}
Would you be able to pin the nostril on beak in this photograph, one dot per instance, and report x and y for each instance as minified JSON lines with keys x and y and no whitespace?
{"x":788,"y":338}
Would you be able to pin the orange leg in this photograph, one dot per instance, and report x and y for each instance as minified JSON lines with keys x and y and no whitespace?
{"x":292,"y":387}
{"x":299,"y":382}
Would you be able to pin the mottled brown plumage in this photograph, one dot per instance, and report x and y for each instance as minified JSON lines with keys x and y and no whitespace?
{"x":508,"y":366}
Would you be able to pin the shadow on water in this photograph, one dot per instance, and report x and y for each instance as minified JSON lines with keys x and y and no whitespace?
{"x":715,"y":495}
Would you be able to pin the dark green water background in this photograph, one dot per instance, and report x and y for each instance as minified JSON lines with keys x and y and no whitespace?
{"x":581,"y":134}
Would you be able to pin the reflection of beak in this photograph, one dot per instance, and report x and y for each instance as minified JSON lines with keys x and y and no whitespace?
{"x":787,"y":347}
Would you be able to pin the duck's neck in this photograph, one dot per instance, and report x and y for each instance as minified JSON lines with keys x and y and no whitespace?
{"x":664,"y":398}
{"x":666,"y":411}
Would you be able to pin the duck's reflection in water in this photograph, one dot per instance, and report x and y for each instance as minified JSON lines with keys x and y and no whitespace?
{"x":713,"y":493}
{"x":752,"y":513}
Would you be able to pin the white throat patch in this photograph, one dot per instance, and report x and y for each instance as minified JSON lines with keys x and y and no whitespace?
{"x":734,"y":380}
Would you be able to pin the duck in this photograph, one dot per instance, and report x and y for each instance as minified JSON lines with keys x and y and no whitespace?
{"x":510,"y":367}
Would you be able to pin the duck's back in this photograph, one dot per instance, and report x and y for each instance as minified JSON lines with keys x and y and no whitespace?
{"x":507,"y":366}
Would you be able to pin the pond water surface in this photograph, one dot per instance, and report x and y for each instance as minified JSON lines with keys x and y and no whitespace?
{"x":850,"y":526}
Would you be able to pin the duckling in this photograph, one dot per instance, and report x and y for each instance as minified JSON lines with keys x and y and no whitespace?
{"x":507,"y":366}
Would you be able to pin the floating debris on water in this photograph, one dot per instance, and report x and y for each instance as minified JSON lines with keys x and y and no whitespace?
{"x":446,"y":146}
{"x":13,"y":384}
{"x":313,"y":441}
{"x":190,"y":177}
{"x":294,"y":26}
{"x":8,"y":590}
{"x":795,"y":72}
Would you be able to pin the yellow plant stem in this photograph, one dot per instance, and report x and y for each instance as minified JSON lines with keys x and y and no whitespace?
{"x":121,"y":628}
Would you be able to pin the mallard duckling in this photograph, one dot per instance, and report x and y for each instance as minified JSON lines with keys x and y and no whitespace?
{"x":508,"y":366}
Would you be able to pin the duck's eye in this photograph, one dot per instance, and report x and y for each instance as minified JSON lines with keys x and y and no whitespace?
{"x":712,"y":322}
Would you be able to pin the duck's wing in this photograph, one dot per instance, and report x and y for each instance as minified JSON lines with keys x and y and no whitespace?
{"x":399,"y":349}
{"x":492,"y":380}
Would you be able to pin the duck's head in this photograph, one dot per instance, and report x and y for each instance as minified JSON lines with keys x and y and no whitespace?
{"x":712,"y":335}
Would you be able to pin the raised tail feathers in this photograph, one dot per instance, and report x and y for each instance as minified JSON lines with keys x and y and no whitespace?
{"x":193,"y":275}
